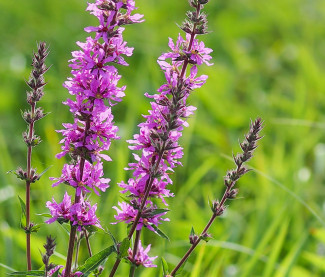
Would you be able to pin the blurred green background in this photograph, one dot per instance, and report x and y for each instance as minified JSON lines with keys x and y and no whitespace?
{"x":269,"y":61}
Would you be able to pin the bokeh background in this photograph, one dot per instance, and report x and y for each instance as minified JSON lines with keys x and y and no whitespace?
{"x":269,"y":61}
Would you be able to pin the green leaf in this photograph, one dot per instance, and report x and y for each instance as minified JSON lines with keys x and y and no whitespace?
{"x":211,"y":204}
{"x":206,"y":238}
{"x":7,"y":267}
{"x":56,"y":273}
{"x":164,"y":266}
{"x":45,"y":215}
{"x":113,"y":239}
{"x":125,"y":199}
{"x":23,"y":213}
{"x":27,"y":273}
{"x":93,"y":262}
{"x":42,"y":173}
{"x":158,"y":211}
{"x":192,"y":232}
{"x":91,"y":229}
{"x":159,"y":232}
{"x":123,"y":250}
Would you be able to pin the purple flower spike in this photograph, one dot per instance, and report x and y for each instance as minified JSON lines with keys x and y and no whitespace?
{"x":94,"y":89}
{"x":158,"y":138}
{"x":142,"y":258}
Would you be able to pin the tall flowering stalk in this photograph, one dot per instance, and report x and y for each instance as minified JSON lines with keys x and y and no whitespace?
{"x":159,"y":134}
{"x":94,"y":84}
{"x":36,"y":83}
{"x":248,"y":146}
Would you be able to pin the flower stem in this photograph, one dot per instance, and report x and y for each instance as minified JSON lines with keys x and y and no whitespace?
{"x":70,"y":250}
{"x":28,"y":255}
{"x":29,"y":162}
{"x":87,"y":242}
{"x":77,"y":252}
{"x":135,"y":250}
{"x":72,"y":239}
{"x":117,"y":263}
{"x":77,"y":199}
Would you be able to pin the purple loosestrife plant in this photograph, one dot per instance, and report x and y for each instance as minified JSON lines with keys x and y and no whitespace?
{"x":158,"y":139}
{"x":94,"y":84}
{"x":36,"y":83}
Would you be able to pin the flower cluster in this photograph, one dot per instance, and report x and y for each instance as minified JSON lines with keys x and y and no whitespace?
{"x":94,"y":85}
{"x":149,"y":218}
{"x":141,"y":257}
{"x":158,"y":138}
{"x":79,"y":214}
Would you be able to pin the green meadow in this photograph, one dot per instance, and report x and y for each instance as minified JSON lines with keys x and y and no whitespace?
{"x":269,"y":61}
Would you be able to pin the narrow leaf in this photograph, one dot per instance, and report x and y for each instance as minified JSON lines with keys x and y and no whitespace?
{"x":125,"y":199}
{"x":165,"y":266}
{"x":93,"y":262}
{"x":192,"y":232}
{"x":45,"y":215}
{"x":23,"y":213}
{"x":113,"y":239}
{"x":27,"y":273}
{"x":159,"y":211}
{"x":42,"y":173}
{"x":211,"y":204}
{"x":159,"y":232}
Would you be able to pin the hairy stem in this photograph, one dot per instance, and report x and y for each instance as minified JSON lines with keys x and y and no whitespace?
{"x":77,"y":252}
{"x":28,"y":255}
{"x":29,"y":167}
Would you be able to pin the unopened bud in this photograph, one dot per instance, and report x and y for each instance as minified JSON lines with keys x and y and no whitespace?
{"x":193,"y":238}
{"x":232,"y":194}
